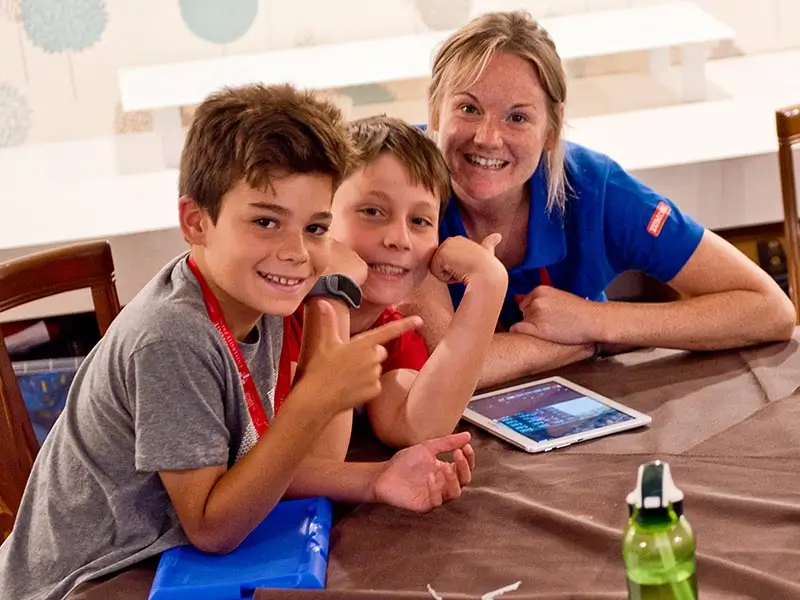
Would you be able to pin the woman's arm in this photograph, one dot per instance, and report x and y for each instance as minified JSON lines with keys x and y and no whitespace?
{"x":730,"y":302}
{"x":509,"y":356}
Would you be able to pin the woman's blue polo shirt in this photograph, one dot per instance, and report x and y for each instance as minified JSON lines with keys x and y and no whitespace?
{"x":612,"y":223}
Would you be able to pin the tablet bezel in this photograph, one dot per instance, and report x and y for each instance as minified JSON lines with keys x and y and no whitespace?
{"x":521,"y":441}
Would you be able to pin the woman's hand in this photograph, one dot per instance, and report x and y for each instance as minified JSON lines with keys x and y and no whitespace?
{"x":558,"y":316}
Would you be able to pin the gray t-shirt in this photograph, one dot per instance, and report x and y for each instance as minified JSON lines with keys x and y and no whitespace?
{"x":160,"y":391}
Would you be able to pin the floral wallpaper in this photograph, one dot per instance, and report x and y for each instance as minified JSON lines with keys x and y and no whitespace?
{"x":59,"y":58}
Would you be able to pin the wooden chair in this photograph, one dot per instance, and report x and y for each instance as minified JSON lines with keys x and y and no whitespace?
{"x":787,"y":121}
{"x":22,"y":280}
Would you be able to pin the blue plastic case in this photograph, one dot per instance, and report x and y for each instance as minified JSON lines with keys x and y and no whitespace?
{"x":289,"y":550}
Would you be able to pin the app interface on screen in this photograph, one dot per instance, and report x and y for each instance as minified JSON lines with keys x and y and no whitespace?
{"x":548,"y":411}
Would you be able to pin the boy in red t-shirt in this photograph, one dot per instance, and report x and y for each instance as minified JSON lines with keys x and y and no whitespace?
{"x":386,"y":216}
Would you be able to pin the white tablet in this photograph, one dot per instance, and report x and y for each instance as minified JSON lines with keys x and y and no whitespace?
{"x":550,"y":413}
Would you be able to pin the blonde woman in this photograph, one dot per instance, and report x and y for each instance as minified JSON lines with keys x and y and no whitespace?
{"x":571,"y":220}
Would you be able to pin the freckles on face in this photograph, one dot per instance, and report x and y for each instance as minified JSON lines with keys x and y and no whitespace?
{"x":493,"y":131}
{"x":268,"y":247}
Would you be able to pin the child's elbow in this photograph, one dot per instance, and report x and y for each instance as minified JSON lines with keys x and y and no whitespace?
{"x":214,"y":542}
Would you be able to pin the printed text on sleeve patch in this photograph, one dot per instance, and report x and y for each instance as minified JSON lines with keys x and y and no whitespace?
{"x":658,"y":219}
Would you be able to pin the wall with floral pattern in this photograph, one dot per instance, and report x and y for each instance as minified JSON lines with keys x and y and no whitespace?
{"x":59,"y":58}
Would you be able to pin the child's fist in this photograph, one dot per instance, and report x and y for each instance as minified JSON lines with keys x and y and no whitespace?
{"x":458,"y":259}
{"x":345,"y":261}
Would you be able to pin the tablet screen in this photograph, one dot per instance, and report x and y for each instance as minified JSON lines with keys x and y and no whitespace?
{"x":547,"y":411}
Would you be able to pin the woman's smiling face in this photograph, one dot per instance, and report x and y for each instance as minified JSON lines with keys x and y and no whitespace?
{"x":493,"y":132}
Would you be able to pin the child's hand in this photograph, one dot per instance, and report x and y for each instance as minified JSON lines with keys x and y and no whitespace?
{"x":458,"y":259}
{"x":345,"y":261}
{"x":415,"y":479}
{"x":342,"y":375}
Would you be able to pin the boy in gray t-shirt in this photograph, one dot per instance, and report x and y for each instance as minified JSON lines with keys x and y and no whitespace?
{"x":173,"y":432}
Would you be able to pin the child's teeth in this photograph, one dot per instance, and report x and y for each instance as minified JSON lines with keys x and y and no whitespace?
{"x":282,"y":280}
{"x":389,"y":270}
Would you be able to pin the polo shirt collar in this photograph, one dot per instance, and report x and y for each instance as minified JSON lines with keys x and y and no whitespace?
{"x":547,"y":243}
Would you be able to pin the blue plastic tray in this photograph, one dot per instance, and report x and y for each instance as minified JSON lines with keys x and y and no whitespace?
{"x":289,"y":550}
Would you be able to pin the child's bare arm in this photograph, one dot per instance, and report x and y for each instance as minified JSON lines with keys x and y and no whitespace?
{"x":413,"y":479}
{"x":218,"y":508}
{"x":335,"y":438}
{"x":417,"y":406}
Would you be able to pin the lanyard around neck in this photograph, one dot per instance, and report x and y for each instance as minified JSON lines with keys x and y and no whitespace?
{"x":252,"y":398}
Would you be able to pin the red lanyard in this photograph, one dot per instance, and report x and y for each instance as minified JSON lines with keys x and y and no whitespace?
{"x":251,"y":396}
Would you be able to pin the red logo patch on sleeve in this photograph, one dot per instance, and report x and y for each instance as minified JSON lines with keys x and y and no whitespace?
{"x":658,"y":219}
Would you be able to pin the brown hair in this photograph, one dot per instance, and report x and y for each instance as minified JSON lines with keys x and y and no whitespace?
{"x":373,"y":136}
{"x":465,"y":54}
{"x":257,"y":133}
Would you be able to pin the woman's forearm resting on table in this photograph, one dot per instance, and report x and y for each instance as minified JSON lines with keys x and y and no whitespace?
{"x":515,"y":355}
{"x":715,"y":321}
{"x":731,"y":302}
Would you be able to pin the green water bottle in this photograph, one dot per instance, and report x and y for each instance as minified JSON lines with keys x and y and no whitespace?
{"x":658,"y":547}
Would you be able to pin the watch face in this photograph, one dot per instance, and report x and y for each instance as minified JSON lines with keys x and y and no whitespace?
{"x":339,"y":286}
{"x":334,"y":283}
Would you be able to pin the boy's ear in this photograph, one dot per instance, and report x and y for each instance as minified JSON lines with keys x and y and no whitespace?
{"x":194,"y":221}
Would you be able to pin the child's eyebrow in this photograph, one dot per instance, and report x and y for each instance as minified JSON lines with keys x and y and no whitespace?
{"x":380,"y":194}
{"x":281,"y":210}
{"x":285,"y":212}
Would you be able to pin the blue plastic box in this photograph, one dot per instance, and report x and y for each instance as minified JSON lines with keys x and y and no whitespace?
{"x":289,"y":550}
{"x":44,"y":385}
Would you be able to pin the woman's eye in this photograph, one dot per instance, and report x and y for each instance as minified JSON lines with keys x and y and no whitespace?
{"x":468,"y":109}
{"x":518,"y":118}
{"x":316,"y":229}
{"x":266,"y":223}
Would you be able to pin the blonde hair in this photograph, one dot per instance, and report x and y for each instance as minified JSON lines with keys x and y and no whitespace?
{"x":465,"y":54}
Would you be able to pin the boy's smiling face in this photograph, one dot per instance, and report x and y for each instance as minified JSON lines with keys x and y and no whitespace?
{"x":391,"y":223}
{"x":267,"y":248}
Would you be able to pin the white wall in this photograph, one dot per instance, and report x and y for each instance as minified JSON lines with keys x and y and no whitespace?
{"x":74,"y":94}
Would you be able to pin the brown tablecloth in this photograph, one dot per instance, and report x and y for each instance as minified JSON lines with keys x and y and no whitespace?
{"x":729,"y":425}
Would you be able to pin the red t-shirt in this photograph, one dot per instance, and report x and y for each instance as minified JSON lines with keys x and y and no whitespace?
{"x":406,"y":351}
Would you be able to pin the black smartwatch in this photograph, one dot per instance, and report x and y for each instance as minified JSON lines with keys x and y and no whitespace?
{"x":337,"y":286}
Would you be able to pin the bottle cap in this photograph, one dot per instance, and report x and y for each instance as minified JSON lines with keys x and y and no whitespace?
{"x":655,"y":491}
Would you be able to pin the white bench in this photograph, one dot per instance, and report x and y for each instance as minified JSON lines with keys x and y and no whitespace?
{"x":684,"y":134}
{"x":717,"y":160}
{"x":657,"y":29}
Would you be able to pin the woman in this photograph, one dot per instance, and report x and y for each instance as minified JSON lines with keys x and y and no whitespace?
{"x":571,"y":220}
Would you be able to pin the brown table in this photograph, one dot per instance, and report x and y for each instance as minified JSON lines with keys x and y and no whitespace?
{"x":729,"y":425}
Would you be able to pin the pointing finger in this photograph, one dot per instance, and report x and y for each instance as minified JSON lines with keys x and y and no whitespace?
{"x":389,"y":331}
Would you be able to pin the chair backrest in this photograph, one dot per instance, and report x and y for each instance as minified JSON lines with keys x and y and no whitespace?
{"x":22,"y":280}
{"x":787,"y":121}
